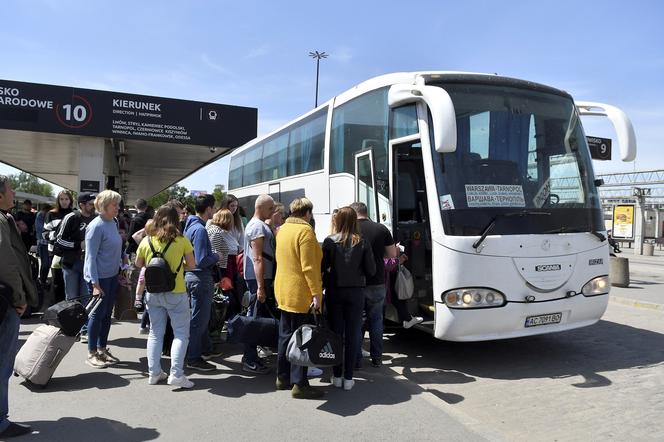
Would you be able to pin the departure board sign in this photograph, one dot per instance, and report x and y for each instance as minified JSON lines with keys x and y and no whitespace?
{"x":66,"y":110}
{"x":600,"y":148}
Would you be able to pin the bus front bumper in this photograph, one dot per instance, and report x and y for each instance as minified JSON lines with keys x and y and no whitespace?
{"x":510,"y":321}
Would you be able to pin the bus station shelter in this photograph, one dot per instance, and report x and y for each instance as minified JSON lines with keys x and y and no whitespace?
{"x":91,"y":140}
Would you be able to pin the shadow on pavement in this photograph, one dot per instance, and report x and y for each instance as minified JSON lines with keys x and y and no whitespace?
{"x":587,"y":352}
{"x":101,"y":380}
{"x":131,"y":342}
{"x":369,"y":390}
{"x":97,"y":429}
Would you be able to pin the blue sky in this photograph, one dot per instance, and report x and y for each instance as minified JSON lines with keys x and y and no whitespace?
{"x":254,"y":53}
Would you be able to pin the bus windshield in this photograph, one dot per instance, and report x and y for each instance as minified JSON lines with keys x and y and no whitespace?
{"x":517,"y":150}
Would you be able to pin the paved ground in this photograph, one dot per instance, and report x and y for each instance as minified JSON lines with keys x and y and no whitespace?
{"x":600,"y":382}
{"x":646,"y":281}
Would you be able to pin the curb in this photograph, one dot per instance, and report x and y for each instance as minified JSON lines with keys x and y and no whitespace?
{"x":637,"y":304}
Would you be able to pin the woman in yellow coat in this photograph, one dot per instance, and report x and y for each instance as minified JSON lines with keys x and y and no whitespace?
{"x":297,"y":287}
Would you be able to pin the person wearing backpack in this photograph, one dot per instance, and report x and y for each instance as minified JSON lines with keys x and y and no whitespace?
{"x":162,"y":252}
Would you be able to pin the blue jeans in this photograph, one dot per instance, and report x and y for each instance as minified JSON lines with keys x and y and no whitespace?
{"x":288,"y":323}
{"x":344,"y":309}
{"x":76,"y":287}
{"x":374,"y":300}
{"x":200,"y":287}
{"x":250,"y":351}
{"x":8,"y":345}
{"x":99,"y":323}
{"x":162,"y":306}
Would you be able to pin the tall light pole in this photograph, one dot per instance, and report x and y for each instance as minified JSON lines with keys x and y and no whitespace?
{"x":317,"y":55}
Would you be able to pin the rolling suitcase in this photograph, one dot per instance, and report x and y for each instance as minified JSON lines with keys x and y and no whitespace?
{"x":45,"y":348}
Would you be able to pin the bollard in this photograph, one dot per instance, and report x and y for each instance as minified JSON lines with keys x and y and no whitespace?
{"x":619,"y":271}
{"x":648,"y":249}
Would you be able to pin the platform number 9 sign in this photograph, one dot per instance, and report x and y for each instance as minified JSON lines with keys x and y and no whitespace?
{"x":76,"y":114}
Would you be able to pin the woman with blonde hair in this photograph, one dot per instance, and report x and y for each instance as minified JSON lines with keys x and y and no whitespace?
{"x":163,"y":236}
{"x":347,"y":262}
{"x":297,"y":288}
{"x":103,"y":259}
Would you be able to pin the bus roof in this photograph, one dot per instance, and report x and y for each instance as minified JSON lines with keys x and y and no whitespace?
{"x":417,"y":77}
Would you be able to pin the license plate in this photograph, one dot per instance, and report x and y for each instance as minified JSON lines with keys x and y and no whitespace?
{"x":551,"y":318}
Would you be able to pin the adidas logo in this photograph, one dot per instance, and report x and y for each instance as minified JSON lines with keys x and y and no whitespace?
{"x":327,"y":352}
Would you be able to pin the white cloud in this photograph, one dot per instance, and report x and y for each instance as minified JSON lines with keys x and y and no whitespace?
{"x":207,"y":61}
{"x":258,"y":52}
{"x":342,"y":55}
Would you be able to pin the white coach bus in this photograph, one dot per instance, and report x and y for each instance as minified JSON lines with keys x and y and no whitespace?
{"x":486,"y":180}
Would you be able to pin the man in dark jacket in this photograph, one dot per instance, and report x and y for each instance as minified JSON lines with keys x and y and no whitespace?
{"x":15,"y":274}
{"x":69,"y":245}
{"x":200,"y":286}
{"x":382,"y":245}
{"x":137,"y":223}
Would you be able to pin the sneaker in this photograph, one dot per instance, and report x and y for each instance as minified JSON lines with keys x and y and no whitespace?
{"x":282,"y":384}
{"x":255,"y":368}
{"x":95,"y":361}
{"x":201,"y":365}
{"x":314,"y":372}
{"x":15,"y":430}
{"x":365,"y":354}
{"x":376,"y":362}
{"x":337,"y":382}
{"x":106,"y":355}
{"x":306,"y":392}
{"x":143,"y":331}
{"x":154,"y":380}
{"x":264,"y":352}
{"x":83,"y":339}
{"x":181,"y":382}
{"x":348,"y":384}
{"x":413,"y":321}
{"x":211,"y":355}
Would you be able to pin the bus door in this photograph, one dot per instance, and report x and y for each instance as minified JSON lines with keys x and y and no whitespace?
{"x":365,"y":182}
{"x":411,"y":219}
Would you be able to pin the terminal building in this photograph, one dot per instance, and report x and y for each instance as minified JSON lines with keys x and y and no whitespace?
{"x":91,"y":140}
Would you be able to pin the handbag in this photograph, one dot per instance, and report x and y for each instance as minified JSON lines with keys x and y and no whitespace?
{"x":254,"y":330}
{"x":404,"y":285}
{"x":68,"y":316}
{"x":315,"y":345}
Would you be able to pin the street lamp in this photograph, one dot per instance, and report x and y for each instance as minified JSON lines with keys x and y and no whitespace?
{"x":317,"y":55}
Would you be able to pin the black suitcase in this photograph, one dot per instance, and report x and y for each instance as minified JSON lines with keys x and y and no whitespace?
{"x":68,"y":316}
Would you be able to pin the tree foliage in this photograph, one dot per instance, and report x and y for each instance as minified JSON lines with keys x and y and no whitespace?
{"x":218,"y":194}
{"x":25,"y":182}
{"x":175,"y":192}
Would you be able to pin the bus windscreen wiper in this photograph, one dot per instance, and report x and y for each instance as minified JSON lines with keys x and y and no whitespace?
{"x":489,"y":227}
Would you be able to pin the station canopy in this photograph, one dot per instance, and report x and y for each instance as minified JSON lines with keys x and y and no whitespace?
{"x":146,"y":143}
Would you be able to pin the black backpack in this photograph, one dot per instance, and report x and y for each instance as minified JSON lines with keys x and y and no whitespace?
{"x":158,"y":275}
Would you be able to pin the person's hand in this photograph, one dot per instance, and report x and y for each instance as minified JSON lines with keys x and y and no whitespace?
{"x":20,"y":309}
{"x":97,"y":291}
{"x":260,"y":294}
{"x":316,"y":302}
{"x":403,"y":258}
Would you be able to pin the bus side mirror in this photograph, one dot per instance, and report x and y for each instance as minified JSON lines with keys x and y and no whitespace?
{"x":439,"y":104}
{"x":620,"y":121}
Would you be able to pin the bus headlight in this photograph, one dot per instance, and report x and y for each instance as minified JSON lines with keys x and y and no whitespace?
{"x":596,"y":286}
{"x":473,"y":298}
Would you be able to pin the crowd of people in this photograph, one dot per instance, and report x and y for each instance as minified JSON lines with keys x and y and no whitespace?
{"x":271,"y":265}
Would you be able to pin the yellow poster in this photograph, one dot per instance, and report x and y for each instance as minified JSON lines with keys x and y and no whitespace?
{"x":623,"y":221}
